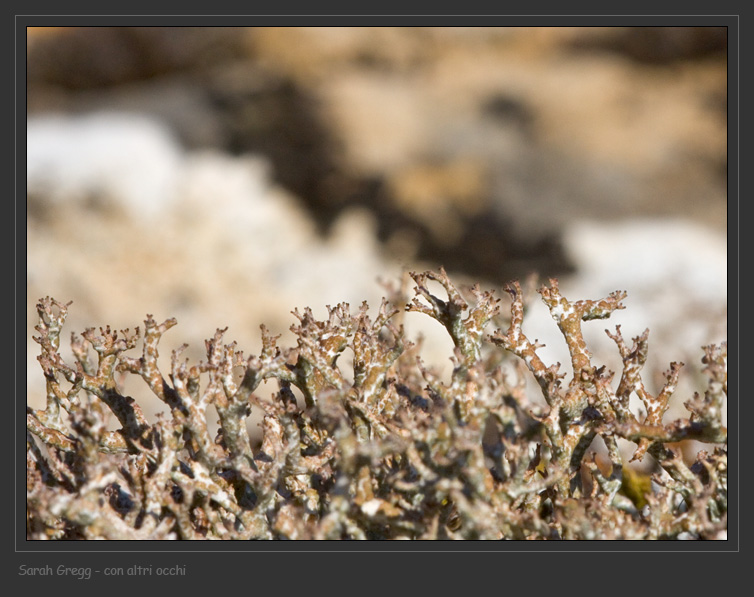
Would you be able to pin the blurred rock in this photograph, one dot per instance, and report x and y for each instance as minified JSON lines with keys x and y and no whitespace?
{"x":78,"y":58}
{"x":472,"y":147}
{"x":120,"y":161}
{"x":658,"y":45}
{"x":552,"y":132}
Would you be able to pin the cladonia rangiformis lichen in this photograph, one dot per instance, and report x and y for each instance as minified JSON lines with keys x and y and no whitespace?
{"x":396,"y":453}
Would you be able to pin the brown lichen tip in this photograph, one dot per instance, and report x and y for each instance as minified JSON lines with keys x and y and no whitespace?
{"x":569,"y":316}
{"x":466,"y":332}
{"x":380,"y":447}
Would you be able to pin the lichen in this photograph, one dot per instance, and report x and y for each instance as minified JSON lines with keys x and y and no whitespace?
{"x":396,"y":453}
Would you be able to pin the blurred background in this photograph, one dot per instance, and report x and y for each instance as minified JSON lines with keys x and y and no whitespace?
{"x":225,"y":176}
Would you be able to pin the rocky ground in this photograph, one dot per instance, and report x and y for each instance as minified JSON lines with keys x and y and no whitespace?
{"x":228,"y":176}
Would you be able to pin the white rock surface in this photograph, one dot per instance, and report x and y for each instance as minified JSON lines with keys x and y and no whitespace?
{"x":123,"y":158}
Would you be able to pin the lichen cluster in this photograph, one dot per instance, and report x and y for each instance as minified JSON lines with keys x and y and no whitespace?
{"x":377,"y":445}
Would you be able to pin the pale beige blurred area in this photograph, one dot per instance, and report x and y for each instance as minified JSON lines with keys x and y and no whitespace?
{"x":227,"y":176}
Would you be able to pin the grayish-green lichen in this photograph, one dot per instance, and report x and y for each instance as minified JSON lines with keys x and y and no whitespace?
{"x":397,"y":453}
